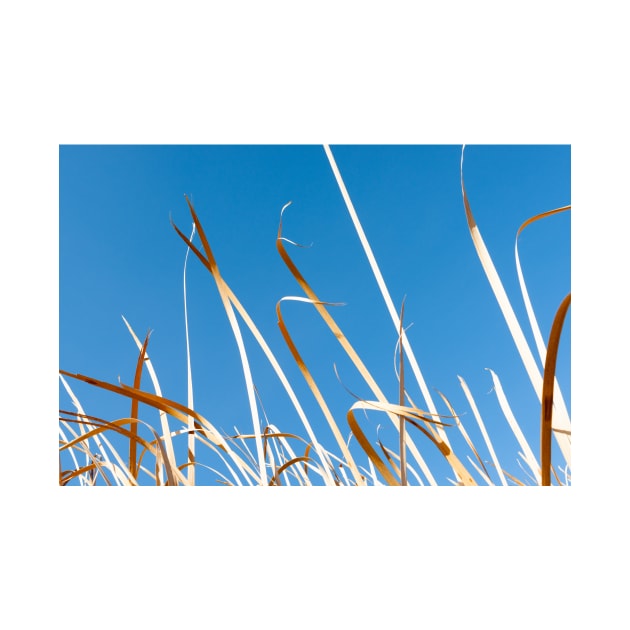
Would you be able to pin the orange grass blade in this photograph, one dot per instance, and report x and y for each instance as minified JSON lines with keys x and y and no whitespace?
{"x":166,"y":431}
{"x":547,"y":397}
{"x":562,"y":413}
{"x":369,"y":450}
{"x":134,"y":408}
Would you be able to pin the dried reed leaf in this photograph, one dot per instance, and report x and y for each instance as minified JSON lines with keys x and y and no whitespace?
{"x":382,"y":286}
{"x":548,"y":387}
{"x":506,"y":308}
{"x":343,"y":341}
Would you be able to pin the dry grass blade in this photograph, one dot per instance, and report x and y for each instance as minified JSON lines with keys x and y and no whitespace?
{"x":275,"y":480}
{"x":506,"y":308}
{"x":381,"y":285}
{"x":465,"y":435}
{"x":166,"y":431}
{"x":369,"y":450}
{"x":482,"y":427}
{"x":190,"y":402}
{"x":211,"y":264}
{"x":172,"y":408}
{"x":134,"y":408}
{"x":528,"y":454}
{"x":297,"y":357}
{"x":259,"y":338}
{"x":548,"y":386}
{"x":401,"y":401}
{"x":562,"y":414}
{"x":343,"y":341}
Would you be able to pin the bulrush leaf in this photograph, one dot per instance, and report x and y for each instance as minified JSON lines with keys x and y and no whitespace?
{"x":547,"y":397}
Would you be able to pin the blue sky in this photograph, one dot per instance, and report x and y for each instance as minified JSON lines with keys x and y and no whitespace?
{"x":119,"y":255}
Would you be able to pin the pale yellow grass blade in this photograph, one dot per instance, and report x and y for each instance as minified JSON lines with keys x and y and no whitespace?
{"x":482,"y":428}
{"x":528,"y":454}
{"x":190,"y":398}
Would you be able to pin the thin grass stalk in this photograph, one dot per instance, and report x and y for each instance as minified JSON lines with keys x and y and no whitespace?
{"x":133,"y":427}
{"x":401,"y":401}
{"x":548,"y":387}
{"x":236,"y":330}
{"x":190,"y":400}
{"x":482,"y":427}
{"x":528,"y":454}
{"x":382,"y":286}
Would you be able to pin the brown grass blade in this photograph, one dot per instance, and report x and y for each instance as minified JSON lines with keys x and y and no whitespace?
{"x":134,"y":408}
{"x":548,"y":387}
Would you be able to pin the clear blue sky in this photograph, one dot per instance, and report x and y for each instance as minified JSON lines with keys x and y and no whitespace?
{"x":119,"y":255}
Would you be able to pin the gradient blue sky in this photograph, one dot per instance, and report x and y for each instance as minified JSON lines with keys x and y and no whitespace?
{"x":119,"y":255}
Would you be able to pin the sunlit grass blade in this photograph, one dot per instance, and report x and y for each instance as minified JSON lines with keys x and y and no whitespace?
{"x":259,"y":338}
{"x":528,"y":454}
{"x":190,"y":399}
{"x":321,"y":401}
{"x":462,"y":430}
{"x":166,"y":430}
{"x":506,"y":308}
{"x":562,"y":415}
{"x":548,"y":387}
{"x":482,"y":428}
{"x":134,"y":408}
{"x":401,"y":400}
{"x":382,"y":286}
{"x":169,"y":407}
{"x":236,"y":331}
{"x":75,"y":401}
{"x":343,"y":341}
